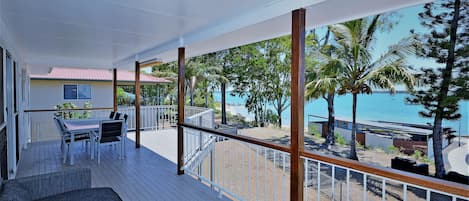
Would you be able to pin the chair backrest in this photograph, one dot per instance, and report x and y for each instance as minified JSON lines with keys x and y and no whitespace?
{"x":111,"y":128}
{"x":126,"y":117}
{"x":57,"y":124}
{"x":60,"y":125}
{"x":118,"y":116}
{"x":111,"y":116}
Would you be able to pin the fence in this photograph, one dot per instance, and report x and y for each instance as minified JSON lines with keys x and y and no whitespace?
{"x":245,"y":168}
{"x":239,"y":170}
{"x":152,"y":117}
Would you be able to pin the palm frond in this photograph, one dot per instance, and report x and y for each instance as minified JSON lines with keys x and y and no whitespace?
{"x":384,"y":76}
{"x":396,"y":52}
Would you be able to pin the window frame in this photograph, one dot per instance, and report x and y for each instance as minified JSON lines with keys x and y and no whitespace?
{"x":77,"y":92}
{"x":2,"y":88}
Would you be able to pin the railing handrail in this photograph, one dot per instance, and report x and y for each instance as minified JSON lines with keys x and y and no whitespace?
{"x":96,"y":108}
{"x":146,"y":106}
{"x":242,"y":138}
{"x":75,"y":109}
{"x":398,"y":175}
{"x":208,"y":110}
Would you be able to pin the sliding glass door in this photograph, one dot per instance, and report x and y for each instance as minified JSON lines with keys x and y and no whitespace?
{"x":10,"y":114}
{"x":3,"y":133}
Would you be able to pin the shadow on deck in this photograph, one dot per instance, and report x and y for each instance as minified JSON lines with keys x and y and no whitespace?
{"x":142,"y":175}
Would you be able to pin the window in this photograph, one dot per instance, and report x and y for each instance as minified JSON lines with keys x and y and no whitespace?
{"x":77,"y":91}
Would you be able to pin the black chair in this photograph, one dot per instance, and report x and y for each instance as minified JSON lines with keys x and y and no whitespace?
{"x":111,"y":116}
{"x":117,"y":116}
{"x":110,"y":132}
{"x":421,"y":169}
{"x":402,"y":164}
{"x":66,"y":137}
{"x":456,"y":177}
{"x":409,"y":165}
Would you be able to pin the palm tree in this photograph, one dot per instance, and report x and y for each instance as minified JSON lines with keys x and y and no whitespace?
{"x":360,"y":73}
{"x":203,"y":71}
{"x":169,"y":72}
{"x":323,"y":78}
{"x":223,"y":58}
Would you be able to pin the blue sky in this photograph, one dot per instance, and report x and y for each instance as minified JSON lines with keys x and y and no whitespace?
{"x":408,"y":19}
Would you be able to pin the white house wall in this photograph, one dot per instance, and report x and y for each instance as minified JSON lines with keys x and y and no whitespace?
{"x":46,"y":94}
{"x":23,"y":99}
{"x":8,"y":43}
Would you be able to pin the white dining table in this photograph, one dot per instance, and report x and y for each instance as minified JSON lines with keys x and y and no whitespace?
{"x":80,"y":126}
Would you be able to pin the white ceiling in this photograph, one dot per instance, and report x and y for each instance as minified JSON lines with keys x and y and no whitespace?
{"x":103,"y":33}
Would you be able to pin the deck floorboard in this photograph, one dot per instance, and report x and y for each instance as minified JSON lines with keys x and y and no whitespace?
{"x":142,"y":175}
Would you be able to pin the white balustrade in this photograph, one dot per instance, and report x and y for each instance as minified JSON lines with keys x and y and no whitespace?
{"x":326,"y":181}
{"x":237,"y":169}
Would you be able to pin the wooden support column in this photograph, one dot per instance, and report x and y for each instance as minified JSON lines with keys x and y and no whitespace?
{"x":297,"y":103}
{"x":114,"y":89}
{"x":181,"y":102}
{"x":137,"y":104}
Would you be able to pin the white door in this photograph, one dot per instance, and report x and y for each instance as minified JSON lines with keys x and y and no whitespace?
{"x":11,"y":124}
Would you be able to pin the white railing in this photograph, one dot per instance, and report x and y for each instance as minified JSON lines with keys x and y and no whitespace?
{"x":197,"y":145}
{"x":243,"y":168}
{"x":152,"y":117}
{"x":327,"y":181}
{"x":240,"y":170}
{"x":159,"y":116}
{"x":43,"y":127}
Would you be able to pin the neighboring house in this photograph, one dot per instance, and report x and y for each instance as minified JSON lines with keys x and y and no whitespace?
{"x":75,"y":85}
{"x":78,"y":85}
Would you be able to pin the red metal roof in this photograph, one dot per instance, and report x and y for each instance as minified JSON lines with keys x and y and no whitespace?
{"x":57,"y":73}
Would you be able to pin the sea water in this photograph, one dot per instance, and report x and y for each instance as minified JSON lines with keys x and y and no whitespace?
{"x":374,"y":107}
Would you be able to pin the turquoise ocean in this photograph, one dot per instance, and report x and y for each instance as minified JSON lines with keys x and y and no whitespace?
{"x":378,"y":106}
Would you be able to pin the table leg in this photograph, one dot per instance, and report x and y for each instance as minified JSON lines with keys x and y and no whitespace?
{"x":92,"y":144}
{"x":125,"y":143}
{"x":70,"y":151}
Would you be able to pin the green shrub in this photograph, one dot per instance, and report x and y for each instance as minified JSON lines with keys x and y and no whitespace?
{"x":417,"y":155}
{"x":63,"y":110}
{"x":426,"y":160}
{"x":313,"y":130}
{"x":393,"y":150}
{"x":360,"y":146}
{"x":339,"y":139}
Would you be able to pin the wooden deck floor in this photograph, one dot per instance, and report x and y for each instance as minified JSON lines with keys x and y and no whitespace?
{"x":142,"y":175}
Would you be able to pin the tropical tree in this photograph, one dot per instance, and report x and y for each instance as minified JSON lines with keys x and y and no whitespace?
{"x":361,"y":72}
{"x":223,"y":58}
{"x":277,"y":58}
{"x":249,"y":80}
{"x":446,"y":42}
{"x":169,"y":72}
{"x":261,"y":72}
{"x":203,"y":71}
{"x":322,"y":78}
